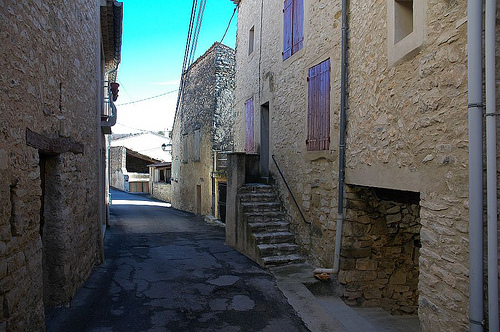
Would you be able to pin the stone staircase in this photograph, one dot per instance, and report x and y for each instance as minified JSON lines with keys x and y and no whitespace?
{"x":267,"y":230}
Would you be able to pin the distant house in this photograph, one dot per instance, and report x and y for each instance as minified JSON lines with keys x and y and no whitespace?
{"x":202,"y":133}
{"x":160,"y":181}
{"x":130,"y":157}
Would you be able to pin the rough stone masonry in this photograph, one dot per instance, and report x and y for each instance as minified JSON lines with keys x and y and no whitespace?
{"x":50,"y":220}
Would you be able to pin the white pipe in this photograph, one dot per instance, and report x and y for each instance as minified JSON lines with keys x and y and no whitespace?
{"x":491,"y":164}
{"x":474,"y":82}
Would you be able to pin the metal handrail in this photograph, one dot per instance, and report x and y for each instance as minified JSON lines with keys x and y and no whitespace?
{"x":289,"y":190}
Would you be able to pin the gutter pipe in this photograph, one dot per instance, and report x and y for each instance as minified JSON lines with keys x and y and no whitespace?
{"x":342,"y":138}
{"x":475,"y":119}
{"x":491,"y":164}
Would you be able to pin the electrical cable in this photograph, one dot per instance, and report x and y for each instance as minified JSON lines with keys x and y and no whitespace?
{"x":229,"y":24}
{"x":148,"y":98}
{"x":199,"y":21}
{"x":190,"y":44}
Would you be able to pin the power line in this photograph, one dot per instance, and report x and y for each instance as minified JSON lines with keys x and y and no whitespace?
{"x":191,"y":42}
{"x":140,"y":100}
{"x":121,"y":124}
{"x":199,"y":20}
{"x":229,"y":24}
{"x":123,"y":87}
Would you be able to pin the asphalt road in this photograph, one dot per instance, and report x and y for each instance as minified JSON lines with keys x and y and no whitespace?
{"x":166,"y":270}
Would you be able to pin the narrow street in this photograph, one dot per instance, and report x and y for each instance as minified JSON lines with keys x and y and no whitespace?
{"x":167,"y":270}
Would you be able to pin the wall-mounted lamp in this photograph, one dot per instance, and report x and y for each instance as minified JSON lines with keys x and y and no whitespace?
{"x":166,"y":147}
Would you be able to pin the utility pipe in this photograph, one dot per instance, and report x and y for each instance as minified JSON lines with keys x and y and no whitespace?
{"x":342,"y":138}
{"x":475,"y":118}
{"x":491,"y":164}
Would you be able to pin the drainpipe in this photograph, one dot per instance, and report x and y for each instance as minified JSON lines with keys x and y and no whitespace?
{"x":343,"y":129}
{"x":475,"y":116}
{"x":491,"y":165}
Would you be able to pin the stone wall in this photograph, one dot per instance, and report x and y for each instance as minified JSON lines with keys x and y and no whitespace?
{"x":206,"y":108}
{"x":414,"y":137}
{"x":282,"y":84}
{"x":407,"y":129}
{"x":380,"y":249}
{"x":162,"y":191}
{"x":118,"y":166}
{"x":50,"y":83}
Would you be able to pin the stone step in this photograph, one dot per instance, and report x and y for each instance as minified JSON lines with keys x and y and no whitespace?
{"x":267,"y":216}
{"x":261,"y":206}
{"x":258,"y":197}
{"x":273,"y":237}
{"x":282,"y":260}
{"x":270,"y":226}
{"x":256,"y":187}
{"x":277,"y":249}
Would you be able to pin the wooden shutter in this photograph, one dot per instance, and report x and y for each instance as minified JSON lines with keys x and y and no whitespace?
{"x":287,"y":28}
{"x":249,"y":119}
{"x":318,"y":110}
{"x":298,"y":25}
{"x":197,"y":145}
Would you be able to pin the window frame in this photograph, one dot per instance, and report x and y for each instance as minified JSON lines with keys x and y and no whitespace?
{"x":318,"y":107}
{"x":293,"y":27}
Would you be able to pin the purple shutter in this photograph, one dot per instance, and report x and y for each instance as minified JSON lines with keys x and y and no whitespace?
{"x":318,"y":110}
{"x":249,"y":136}
{"x":287,"y":28}
{"x":298,"y":25}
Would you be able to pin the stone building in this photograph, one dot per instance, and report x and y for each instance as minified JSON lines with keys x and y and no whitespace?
{"x":404,"y":201}
{"x":130,"y":155}
{"x":129,"y":170}
{"x":202,"y":131}
{"x":54,"y":115}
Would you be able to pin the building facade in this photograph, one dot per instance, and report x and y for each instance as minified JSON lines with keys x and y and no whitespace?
{"x":202,"y":129}
{"x":130,"y":157}
{"x":52,"y":152}
{"x":403,"y":204}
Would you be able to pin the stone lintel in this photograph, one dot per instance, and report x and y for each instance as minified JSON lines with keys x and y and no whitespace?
{"x":52,"y":146}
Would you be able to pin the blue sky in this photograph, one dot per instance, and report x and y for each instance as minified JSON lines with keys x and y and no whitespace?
{"x":154,"y":39}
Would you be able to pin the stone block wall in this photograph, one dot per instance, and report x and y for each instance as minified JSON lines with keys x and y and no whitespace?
{"x":118,"y":166}
{"x":410,"y":133}
{"x":162,"y":191}
{"x":265,"y":77}
{"x":205,"y":110}
{"x":380,"y":249}
{"x":407,"y":129}
{"x":50,"y":83}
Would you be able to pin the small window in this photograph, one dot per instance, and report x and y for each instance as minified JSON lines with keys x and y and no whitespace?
{"x":185,"y":148}
{"x":197,"y":145}
{"x":249,"y":129}
{"x":293,"y":27}
{"x":403,"y":19}
{"x":318,"y":107}
{"x":406,"y":28}
{"x":251,"y":37}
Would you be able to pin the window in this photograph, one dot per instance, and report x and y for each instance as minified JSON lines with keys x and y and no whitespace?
{"x":318,"y":107}
{"x":403,"y":19}
{"x":251,"y":37}
{"x":293,"y":29}
{"x":249,"y":134}
{"x":406,"y":26}
{"x":197,"y":145}
{"x":185,"y":148}
{"x":165,"y":175}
